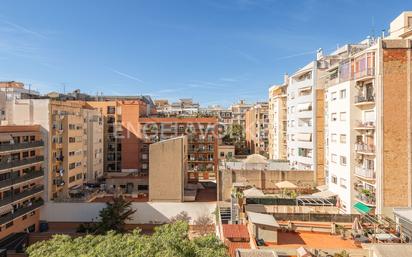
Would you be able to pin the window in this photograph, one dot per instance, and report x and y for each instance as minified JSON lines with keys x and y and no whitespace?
{"x":144,"y":156}
{"x":334,"y":179}
{"x":342,"y":94}
{"x":222,"y":154}
{"x":333,"y":137}
{"x":333,"y":158}
{"x":72,"y":179}
{"x":343,"y":160}
{"x":79,"y":176}
{"x":72,"y":139}
{"x":144,"y":166}
{"x":333,"y":116}
{"x":72,"y":165}
{"x":342,"y":182}
{"x":342,"y":138}
{"x":333,"y":96}
{"x":342,"y":116}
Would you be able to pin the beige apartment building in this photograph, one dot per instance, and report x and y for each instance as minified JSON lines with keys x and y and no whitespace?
{"x":277,"y":147}
{"x":21,"y":178}
{"x":257,"y":128}
{"x":64,"y":130}
{"x":238,"y":112}
{"x":168,"y":170}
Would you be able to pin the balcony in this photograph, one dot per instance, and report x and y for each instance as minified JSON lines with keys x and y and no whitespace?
{"x":21,"y":211}
{"x":364,"y":74}
{"x":365,"y":149}
{"x":366,"y":197}
{"x":18,"y":163}
{"x":19,"y":146}
{"x":365,"y":173}
{"x":361,"y":100}
{"x":21,"y":195}
{"x":24,"y":178}
{"x":365,"y":125}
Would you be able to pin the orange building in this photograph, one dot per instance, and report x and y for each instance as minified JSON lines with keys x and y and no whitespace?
{"x":21,"y":178}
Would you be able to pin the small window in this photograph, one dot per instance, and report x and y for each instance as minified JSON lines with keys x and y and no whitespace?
{"x":342,"y":182}
{"x":342,"y":116}
{"x":333,"y":138}
{"x":333,"y":96}
{"x":334,"y":179}
{"x":343,"y":160}
{"x":343,"y":139}
{"x":333,"y":116}
{"x":333,"y":158}
{"x":342,"y":94}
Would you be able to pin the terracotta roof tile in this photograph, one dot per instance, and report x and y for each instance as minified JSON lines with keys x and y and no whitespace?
{"x":236,"y":245}
{"x":235,"y":231}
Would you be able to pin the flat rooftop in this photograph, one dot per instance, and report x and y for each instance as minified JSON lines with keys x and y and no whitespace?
{"x":311,"y":240}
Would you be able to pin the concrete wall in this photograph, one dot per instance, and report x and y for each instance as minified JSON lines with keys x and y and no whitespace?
{"x":167,"y":168}
{"x":147,"y":213}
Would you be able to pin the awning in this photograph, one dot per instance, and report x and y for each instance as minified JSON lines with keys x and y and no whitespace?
{"x":286,"y":185}
{"x":362,"y":208}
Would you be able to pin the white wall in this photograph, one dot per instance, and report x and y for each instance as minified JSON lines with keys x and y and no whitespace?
{"x":147,"y":213}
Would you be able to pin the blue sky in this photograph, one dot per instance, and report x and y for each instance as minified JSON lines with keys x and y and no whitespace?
{"x":215,"y":51}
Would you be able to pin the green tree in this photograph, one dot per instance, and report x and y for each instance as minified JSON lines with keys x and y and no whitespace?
{"x":114,"y":216}
{"x":169,"y":240}
{"x":111,"y":218}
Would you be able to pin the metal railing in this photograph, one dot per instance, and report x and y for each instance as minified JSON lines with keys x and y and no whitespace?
{"x":364,"y":99}
{"x":17,"y":163}
{"x":21,"y":195}
{"x":365,"y":172}
{"x":364,"y":148}
{"x":28,"y":176}
{"x":365,"y":124}
{"x":21,"y":211}
{"x":18,"y":146}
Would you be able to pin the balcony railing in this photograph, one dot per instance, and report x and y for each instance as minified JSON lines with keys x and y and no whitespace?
{"x":21,"y":195}
{"x":364,"y":73}
{"x":365,"y":172}
{"x":360,"y":99}
{"x":365,"y":125}
{"x":27,"y":177}
{"x":18,"y":146}
{"x":366,"y":198}
{"x":21,"y":211}
{"x":17,"y":163}
{"x":364,"y":148}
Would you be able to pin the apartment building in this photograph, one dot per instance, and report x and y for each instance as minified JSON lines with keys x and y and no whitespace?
{"x":14,"y":89}
{"x":202,"y":136}
{"x":93,"y":146}
{"x":183,"y":107}
{"x":168,"y":170}
{"x":277,"y":147}
{"x":21,"y":178}
{"x":224,"y":115}
{"x":65,"y":133}
{"x":257,"y":128}
{"x":238,"y":112}
{"x":305,"y":119}
{"x":120,"y":121}
{"x":368,"y":123}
